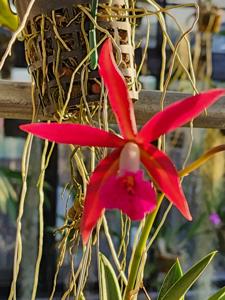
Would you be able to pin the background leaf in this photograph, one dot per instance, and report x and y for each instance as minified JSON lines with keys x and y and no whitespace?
{"x":109,"y":286}
{"x":180,"y":288}
{"x":172,"y":276}
{"x":220,"y":295}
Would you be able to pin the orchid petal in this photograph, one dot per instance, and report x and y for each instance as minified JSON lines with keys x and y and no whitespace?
{"x":178,"y":114}
{"x":76,"y":134}
{"x":135,"y":201}
{"x":120,"y":101}
{"x":165,"y":176}
{"x":93,"y":207}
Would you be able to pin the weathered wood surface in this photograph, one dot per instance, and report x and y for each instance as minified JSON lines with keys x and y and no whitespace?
{"x":15,"y":103}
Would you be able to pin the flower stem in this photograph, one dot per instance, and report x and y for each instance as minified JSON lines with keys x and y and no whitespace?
{"x":140,"y":250}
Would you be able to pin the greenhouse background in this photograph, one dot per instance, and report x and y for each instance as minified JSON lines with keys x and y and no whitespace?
{"x":187,"y":241}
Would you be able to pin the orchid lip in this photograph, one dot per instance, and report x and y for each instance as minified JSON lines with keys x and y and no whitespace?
{"x":135,"y":196}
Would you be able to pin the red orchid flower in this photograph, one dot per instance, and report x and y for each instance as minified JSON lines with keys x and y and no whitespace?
{"x":117,"y":182}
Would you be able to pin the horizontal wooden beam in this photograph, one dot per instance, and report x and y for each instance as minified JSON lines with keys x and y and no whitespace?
{"x":15,"y":103}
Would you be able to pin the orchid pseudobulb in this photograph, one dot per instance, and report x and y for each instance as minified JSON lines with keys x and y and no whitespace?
{"x":118,"y":181}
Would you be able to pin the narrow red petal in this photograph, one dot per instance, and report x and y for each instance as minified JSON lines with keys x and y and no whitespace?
{"x":93,"y":207}
{"x":76,"y":134}
{"x":120,"y":101}
{"x":165,"y":176}
{"x":178,"y":114}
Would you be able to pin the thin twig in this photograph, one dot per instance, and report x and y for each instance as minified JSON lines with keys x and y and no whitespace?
{"x":16,"y":34}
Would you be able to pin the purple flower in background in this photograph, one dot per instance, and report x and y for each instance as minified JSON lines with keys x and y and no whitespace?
{"x":215,"y":219}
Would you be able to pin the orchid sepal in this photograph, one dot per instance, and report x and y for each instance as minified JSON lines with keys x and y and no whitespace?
{"x":165,"y":176}
{"x":118,"y":95}
{"x":76,"y":134}
{"x":93,"y":207}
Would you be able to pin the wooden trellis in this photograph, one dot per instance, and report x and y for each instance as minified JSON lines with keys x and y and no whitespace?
{"x":15,"y":103}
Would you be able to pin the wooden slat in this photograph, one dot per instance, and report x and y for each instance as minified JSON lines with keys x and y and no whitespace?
{"x":15,"y":103}
{"x":15,"y":100}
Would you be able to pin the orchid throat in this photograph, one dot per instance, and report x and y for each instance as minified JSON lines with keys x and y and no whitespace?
{"x":129,"y":159}
{"x":129,"y":167}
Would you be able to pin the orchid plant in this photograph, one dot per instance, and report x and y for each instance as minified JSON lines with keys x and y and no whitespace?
{"x":133,"y":151}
